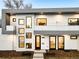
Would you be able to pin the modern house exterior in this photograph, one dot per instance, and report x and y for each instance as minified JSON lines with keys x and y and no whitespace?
{"x":40,"y":29}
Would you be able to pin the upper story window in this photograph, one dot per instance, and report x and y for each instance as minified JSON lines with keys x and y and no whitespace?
{"x":21,"y":30}
{"x":14,"y":19}
{"x":29,"y":22}
{"x":21,"y":21}
{"x":73,"y":21}
{"x":29,"y":35}
{"x":41,"y":21}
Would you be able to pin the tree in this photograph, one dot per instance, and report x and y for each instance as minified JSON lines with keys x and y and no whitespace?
{"x":18,"y":3}
{"x":8,"y":4}
{"x":13,"y":3}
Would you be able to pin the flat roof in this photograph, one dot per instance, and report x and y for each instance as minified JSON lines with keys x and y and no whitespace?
{"x":42,"y":10}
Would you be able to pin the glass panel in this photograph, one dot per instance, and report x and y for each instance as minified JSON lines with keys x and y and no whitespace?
{"x":29,"y":35}
{"x":28,"y":45}
{"x":21,"y":21}
{"x":52,"y":42}
{"x":38,"y":41}
{"x":41,"y":21}
{"x":21,"y":41}
{"x":73,"y":21}
{"x":21,"y":30}
{"x":28,"y":22}
{"x":61,"y":43}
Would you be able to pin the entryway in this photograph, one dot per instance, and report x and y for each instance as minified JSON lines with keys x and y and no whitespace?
{"x":37,"y":42}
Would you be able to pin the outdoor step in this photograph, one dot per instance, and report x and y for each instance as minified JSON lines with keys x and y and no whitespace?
{"x":38,"y":58}
{"x":41,"y":51}
{"x":40,"y":55}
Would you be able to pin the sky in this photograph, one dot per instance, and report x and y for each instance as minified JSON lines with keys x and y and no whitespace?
{"x":47,"y":3}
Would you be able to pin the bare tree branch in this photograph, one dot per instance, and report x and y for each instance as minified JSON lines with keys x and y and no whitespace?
{"x":8,"y":4}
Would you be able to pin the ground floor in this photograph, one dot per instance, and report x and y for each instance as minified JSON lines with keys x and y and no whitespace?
{"x":50,"y":42}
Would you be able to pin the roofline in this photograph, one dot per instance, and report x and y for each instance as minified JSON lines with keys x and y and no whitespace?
{"x":44,"y":10}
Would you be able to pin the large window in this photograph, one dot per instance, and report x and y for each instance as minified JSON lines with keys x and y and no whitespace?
{"x":29,"y":22}
{"x":73,"y":21}
{"x":60,"y":42}
{"x":52,"y":40}
{"x":21,"y":21}
{"x":41,"y":21}
{"x":21,"y":30}
{"x":21,"y":41}
{"x":29,"y":35}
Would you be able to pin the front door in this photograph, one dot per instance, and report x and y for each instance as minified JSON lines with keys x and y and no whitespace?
{"x":60,"y":42}
{"x":37,"y":42}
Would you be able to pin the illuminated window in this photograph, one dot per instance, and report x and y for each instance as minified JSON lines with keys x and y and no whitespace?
{"x":73,"y":21}
{"x":29,"y":35}
{"x":29,"y":45}
{"x":41,"y":21}
{"x":61,"y":42}
{"x":28,"y":22}
{"x":21,"y":21}
{"x":21,"y":41}
{"x":21,"y":30}
{"x":52,"y":40}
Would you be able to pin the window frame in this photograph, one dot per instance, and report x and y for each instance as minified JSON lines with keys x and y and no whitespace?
{"x":74,"y":23}
{"x":19,"y":40}
{"x":20,"y":29}
{"x":19,"y":21}
{"x":27,"y":36}
{"x":26,"y":21}
{"x":41,"y":25}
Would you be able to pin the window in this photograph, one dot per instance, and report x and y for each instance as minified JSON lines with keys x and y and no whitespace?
{"x":29,"y":45}
{"x":14,"y":19}
{"x":41,"y":21}
{"x":21,"y":41}
{"x":29,"y":35}
{"x":28,"y":22}
{"x":21,"y":30}
{"x":73,"y":37}
{"x":52,"y":40}
{"x":60,"y":42}
{"x":21,"y":21}
{"x":73,"y":21}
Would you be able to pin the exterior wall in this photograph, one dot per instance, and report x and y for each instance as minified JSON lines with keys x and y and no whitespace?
{"x":7,"y":42}
{"x":11,"y":41}
{"x":57,"y":19}
{"x":71,"y":44}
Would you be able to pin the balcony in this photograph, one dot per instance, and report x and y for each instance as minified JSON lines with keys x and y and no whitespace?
{"x":56,"y":29}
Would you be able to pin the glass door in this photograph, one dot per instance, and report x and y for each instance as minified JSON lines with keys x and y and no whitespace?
{"x":37,"y":42}
{"x":60,"y":42}
{"x":52,"y":42}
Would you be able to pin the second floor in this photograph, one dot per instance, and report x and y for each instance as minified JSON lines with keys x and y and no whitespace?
{"x":61,"y":19}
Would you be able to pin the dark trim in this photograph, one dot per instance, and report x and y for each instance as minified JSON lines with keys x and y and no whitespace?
{"x":37,"y":48}
{"x":63,"y":43}
{"x":55,"y":42}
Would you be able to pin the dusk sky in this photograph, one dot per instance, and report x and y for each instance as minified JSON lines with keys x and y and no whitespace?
{"x":48,"y":3}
